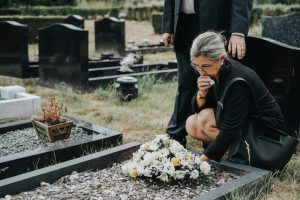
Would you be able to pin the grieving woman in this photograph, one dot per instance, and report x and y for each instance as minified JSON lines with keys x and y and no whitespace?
{"x":216,"y":69}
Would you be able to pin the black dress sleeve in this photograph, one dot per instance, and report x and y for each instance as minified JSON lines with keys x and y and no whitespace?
{"x":235,"y":111}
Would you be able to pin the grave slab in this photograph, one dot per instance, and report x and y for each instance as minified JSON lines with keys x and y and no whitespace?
{"x":23,"y":162}
{"x":110,"y":36}
{"x":16,"y":103}
{"x":50,"y":174}
{"x":63,"y":55}
{"x":10,"y":92}
{"x":283,"y":28}
{"x":250,"y":179}
{"x":75,"y":20}
{"x":278,"y":65}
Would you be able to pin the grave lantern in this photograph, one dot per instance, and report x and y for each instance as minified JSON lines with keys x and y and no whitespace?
{"x":127,"y":88}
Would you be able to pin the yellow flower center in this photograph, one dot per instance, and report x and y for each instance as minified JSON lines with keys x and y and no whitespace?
{"x":175,"y":161}
{"x":133,"y":173}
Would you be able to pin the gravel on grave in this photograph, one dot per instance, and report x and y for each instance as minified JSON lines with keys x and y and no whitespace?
{"x":26,"y":139}
{"x":110,"y":184}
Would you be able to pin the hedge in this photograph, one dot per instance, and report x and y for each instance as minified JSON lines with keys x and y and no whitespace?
{"x":259,"y":11}
{"x":156,"y":20}
{"x":34,"y":23}
{"x":17,"y":3}
{"x":133,"y":13}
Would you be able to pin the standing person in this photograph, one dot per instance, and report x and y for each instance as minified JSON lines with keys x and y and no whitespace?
{"x":183,"y":20}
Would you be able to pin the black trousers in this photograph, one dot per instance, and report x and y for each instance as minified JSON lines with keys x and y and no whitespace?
{"x":187,"y":30}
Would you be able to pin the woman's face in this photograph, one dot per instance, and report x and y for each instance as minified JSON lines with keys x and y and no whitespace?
{"x":206,"y":66}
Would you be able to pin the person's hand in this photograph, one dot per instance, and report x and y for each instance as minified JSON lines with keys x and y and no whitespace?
{"x":168,"y":39}
{"x":204,"y":83}
{"x":237,"y":46}
{"x":204,"y":158}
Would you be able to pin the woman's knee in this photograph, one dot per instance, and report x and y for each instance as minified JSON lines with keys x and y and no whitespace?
{"x":206,"y":118}
{"x":191,"y":125}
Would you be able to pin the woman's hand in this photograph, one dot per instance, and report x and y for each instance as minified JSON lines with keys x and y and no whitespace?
{"x":204,"y":83}
{"x":204,"y":158}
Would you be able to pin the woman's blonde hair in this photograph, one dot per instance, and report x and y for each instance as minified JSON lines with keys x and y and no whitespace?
{"x":209,"y":44}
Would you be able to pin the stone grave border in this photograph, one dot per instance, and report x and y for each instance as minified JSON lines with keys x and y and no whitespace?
{"x":251,"y":181}
{"x":16,"y":163}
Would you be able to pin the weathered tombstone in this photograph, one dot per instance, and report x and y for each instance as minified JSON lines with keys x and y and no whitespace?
{"x":13,"y":49}
{"x":285,"y":28}
{"x":75,"y":20}
{"x":278,"y":66}
{"x":110,"y":36}
{"x":63,"y":55}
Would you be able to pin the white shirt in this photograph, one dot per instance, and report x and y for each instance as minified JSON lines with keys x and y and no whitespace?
{"x":187,"y":6}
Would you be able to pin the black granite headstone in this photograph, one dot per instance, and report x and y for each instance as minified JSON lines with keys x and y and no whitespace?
{"x":13,"y":49}
{"x":63,"y":55}
{"x":75,"y":20}
{"x":110,"y":36}
{"x":285,"y":28}
{"x":278,"y":66}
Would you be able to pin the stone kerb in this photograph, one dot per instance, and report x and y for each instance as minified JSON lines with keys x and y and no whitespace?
{"x":251,"y":180}
{"x":16,"y":103}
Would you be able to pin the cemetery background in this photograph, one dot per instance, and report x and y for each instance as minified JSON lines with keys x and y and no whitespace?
{"x":147,"y":115}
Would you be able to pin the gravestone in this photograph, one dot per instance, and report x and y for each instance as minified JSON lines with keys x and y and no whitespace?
{"x":278,"y":66}
{"x":75,"y":20}
{"x":13,"y":49}
{"x":63,"y":55}
{"x":285,"y":28}
{"x":110,"y":36}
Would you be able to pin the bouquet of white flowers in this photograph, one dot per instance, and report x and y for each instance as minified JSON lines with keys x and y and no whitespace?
{"x":129,"y":61}
{"x":165,"y":159}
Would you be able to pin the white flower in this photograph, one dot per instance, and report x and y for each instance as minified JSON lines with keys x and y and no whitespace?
{"x":169,"y":169}
{"x":166,"y":160}
{"x":139,"y":168}
{"x":153,"y":147}
{"x":129,"y":166}
{"x":148,"y":158}
{"x":164,"y":138}
{"x":175,"y":146}
{"x":205,"y":167}
{"x":147,"y":172}
{"x":163,"y":152}
{"x":197,"y":160}
{"x":163,"y":177}
{"x":194,"y":174}
{"x":179,"y":174}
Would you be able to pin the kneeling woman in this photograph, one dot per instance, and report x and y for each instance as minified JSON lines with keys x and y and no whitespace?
{"x":216,"y":69}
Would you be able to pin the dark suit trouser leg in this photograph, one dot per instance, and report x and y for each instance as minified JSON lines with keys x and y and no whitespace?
{"x":187,"y":77}
{"x":187,"y":88}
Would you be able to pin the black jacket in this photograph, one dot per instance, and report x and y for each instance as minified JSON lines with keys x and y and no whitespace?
{"x":239,"y":106}
{"x":230,"y":15}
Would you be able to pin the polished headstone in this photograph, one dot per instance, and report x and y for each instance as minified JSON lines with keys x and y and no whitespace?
{"x":75,"y":20}
{"x":13,"y":49}
{"x":285,"y":28}
{"x":110,"y":36}
{"x":278,"y":66}
{"x":63,"y":55}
